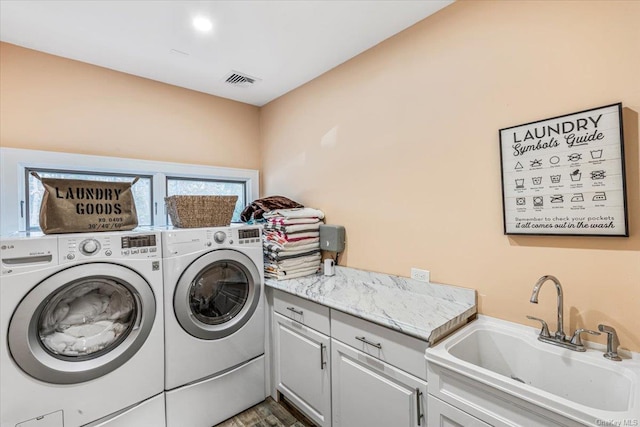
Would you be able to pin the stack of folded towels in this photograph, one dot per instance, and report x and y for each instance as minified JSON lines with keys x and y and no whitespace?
{"x":291,"y":242}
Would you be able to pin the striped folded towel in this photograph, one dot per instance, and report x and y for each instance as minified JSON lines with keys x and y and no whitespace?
{"x":295,"y":213}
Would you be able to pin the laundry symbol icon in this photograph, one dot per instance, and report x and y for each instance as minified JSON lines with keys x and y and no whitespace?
{"x":536,"y":163}
{"x":575,"y":175}
{"x":537,"y":201}
{"x":536,"y":180}
{"x":599,"y":196}
{"x":518,"y":166}
{"x":596,"y":154}
{"x":554,"y":160}
{"x":557,"y":198}
{"x":520,"y":183}
{"x":555,"y":179}
{"x":577,"y":197}
{"x":599,"y":174}
{"x":520,"y":201}
{"x":574,"y":157}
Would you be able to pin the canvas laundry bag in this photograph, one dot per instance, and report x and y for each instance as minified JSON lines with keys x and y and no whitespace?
{"x":78,"y":206}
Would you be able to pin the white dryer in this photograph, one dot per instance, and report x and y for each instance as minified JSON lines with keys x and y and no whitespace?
{"x":214,"y":323}
{"x":81,"y":325}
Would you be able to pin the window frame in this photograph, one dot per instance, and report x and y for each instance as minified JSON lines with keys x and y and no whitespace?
{"x":15,"y":161}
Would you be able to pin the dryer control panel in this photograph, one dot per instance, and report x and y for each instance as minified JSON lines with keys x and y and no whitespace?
{"x":186,"y":241}
{"x":77,"y":247}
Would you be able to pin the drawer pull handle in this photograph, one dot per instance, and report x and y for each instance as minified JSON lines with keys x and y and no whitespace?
{"x":298,"y":312}
{"x":419,"y":414}
{"x":366,"y":341}
{"x":322,"y":361}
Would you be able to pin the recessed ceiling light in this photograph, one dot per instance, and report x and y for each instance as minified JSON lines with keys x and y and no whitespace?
{"x":202,"y":23}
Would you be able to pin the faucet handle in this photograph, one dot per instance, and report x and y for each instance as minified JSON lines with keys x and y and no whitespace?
{"x":544,"y":332}
{"x":576,"y":340}
{"x":612,"y":342}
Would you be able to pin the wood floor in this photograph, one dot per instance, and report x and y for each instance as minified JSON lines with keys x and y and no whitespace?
{"x":266,"y":414}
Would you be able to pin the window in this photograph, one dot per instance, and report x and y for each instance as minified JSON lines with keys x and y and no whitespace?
{"x":22,"y":193}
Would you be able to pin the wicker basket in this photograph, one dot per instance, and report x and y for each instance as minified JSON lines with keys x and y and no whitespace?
{"x":200,"y":211}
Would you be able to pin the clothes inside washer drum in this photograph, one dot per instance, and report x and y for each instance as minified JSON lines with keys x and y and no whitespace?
{"x":86,"y":339}
{"x":87,"y":318}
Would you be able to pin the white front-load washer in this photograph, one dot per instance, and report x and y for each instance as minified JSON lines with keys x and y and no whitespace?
{"x":214,"y":323}
{"x":81,"y":325}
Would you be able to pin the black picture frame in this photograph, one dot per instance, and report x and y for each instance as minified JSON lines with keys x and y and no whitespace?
{"x":565,"y":176}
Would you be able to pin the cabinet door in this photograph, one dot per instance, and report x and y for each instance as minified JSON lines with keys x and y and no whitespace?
{"x":370,"y":393}
{"x":442,"y":414}
{"x":302,"y":368}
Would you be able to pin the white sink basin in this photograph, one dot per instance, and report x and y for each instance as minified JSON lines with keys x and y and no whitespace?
{"x":584,"y":387}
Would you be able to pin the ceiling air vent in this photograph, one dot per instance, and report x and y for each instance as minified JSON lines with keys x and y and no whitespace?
{"x":237,"y":79}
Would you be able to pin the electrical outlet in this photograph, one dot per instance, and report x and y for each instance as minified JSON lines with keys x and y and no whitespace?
{"x":418,"y":274}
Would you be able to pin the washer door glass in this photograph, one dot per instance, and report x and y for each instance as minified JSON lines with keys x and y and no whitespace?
{"x":87,"y":319}
{"x":81,"y":323}
{"x":218,"y":293}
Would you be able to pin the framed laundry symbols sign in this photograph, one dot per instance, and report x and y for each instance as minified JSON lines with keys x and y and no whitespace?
{"x":565,"y":175}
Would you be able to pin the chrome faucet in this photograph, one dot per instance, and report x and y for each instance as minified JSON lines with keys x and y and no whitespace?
{"x":559,"y":338}
{"x":534,"y":299}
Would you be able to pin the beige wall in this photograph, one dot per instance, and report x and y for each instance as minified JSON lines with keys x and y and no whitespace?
{"x":400,"y":145}
{"x":56,"y":104}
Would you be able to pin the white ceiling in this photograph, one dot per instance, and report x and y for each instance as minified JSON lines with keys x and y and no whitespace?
{"x":283,"y":43}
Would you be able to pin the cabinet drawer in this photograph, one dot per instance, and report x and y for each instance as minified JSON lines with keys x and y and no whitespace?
{"x":395,"y":348}
{"x":308,"y":313}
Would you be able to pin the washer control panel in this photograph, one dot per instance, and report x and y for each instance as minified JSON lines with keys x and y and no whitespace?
{"x":219,"y":236}
{"x":249,"y":236}
{"x":89,"y":246}
{"x":77,"y":247}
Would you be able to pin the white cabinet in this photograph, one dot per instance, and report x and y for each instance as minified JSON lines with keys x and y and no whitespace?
{"x":392,"y":347}
{"x":307,"y":312}
{"x":370,"y":393}
{"x":442,"y":414}
{"x":343,"y":371}
{"x":301,"y":364}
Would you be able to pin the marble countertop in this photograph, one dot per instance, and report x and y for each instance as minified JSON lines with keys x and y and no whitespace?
{"x":428,"y":311}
